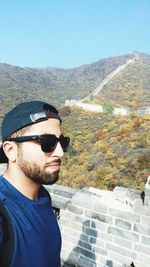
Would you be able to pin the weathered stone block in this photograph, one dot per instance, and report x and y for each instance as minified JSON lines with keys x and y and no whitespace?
{"x":120,"y":258}
{"x":104,"y":236}
{"x":147,"y":200}
{"x":142,"y":229}
{"x":140,"y":264}
{"x":72,"y":260}
{"x":120,"y":250}
{"x":70,"y":239}
{"x":86,"y":253}
{"x":146,"y":220}
{"x":72,"y":232}
{"x":84,"y":237}
{"x":56,"y":203}
{"x":75,"y":209}
{"x":144,"y":259}
{"x":83,"y":199}
{"x":99,"y":250}
{"x":100,"y":226}
{"x":141,"y":209}
{"x":100,"y":207}
{"x":123,"y":242}
{"x":147,"y":192}
{"x":145,"y":240}
{"x":123,"y":233}
{"x":98,"y":216}
{"x":141,"y":248}
{"x":123,"y":224}
{"x":76,"y":218}
{"x":85,"y":245}
{"x":97,"y":242}
{"x":129,"y":216}
{"x":60,"y":190}
{"x":90,"y":232}
{"x":84,"y":262}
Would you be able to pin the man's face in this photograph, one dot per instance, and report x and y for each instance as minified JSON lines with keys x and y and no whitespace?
{"x":41,"y":167}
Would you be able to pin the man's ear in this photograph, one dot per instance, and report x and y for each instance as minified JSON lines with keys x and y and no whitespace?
{"x":10,"y":150}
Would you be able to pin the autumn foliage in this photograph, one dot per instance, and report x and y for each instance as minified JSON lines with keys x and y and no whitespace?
{"x":106,"y":151}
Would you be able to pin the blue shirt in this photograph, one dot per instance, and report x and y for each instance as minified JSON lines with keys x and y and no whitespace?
{"x":36,"y":232}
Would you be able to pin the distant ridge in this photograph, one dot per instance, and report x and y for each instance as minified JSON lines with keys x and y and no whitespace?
{"x":56,"y":85}
{"x":110,"y":76}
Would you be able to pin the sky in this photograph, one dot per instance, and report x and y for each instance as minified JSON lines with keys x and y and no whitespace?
{"x":70,"y":33}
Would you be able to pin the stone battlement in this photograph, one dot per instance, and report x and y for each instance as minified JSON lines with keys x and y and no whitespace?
{"x":103,"y":228}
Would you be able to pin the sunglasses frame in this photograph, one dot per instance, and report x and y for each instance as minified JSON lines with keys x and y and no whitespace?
{"x":63,"y":140}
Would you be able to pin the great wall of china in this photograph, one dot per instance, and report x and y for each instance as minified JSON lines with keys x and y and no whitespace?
{"x":99,"y":108}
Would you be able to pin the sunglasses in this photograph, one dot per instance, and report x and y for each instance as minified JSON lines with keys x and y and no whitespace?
{"x":48,"y":141}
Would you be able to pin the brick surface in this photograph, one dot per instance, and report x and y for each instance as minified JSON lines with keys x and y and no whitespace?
{"x":123,"y":233}
{"x":141,"y":248}
{"x":123,"y":224}
{"x":123,"y":251}
{"x":75,"y":209}
{"x":98,"y":216}
{"x":102,"y":208}
{"x":140,"y":209}
{"x":60,"y":203}
{"x":123,"y":242}
{"x":84,"y":200}
{"x":145,"y":240}
{"x":120,"y":258}
{"x":145,"y":259}
{"x":125,"y":215}
{"x":146,"y":220}
{"x":142,"y":229}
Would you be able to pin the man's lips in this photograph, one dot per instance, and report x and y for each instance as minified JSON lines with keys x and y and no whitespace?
{"x":54,"y":164}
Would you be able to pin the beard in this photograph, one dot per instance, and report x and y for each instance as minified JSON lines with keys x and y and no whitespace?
{"x":36,"y":173}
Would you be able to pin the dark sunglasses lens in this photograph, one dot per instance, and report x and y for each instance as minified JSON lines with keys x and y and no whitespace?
{"x":64,"y":141}
{"x":48,"y":143}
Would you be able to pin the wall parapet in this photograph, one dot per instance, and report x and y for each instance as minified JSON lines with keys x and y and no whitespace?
{"x":99,"y":108}
{"x":103,"y":228}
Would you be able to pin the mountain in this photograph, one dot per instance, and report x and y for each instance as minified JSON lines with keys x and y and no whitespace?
{"x":53,"y":84}
{"x":129,"y":88}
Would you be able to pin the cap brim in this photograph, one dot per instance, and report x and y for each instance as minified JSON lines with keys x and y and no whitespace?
{"x":3,"y":158}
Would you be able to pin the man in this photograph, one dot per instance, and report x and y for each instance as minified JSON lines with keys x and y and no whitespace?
{"x":32,"y":145}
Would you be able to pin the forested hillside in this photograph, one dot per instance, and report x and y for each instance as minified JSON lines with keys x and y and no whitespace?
{"x":106,"y":150}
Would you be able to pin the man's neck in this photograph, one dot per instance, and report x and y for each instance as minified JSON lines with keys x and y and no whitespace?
{"x":22,"y":183}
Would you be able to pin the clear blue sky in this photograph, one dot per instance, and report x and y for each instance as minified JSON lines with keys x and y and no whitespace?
{"x":69,"y":33}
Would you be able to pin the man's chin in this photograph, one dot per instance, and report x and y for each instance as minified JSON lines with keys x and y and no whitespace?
{"x":50,"y":179}
{"x":49,"y":182}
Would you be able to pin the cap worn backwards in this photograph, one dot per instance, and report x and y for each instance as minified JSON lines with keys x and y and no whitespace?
{"x":23,"y":115}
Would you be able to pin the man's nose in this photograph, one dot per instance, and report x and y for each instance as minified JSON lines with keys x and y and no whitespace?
{"x":58,"y":151}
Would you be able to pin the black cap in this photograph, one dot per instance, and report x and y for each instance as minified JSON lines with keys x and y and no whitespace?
{"x":23,"y":115}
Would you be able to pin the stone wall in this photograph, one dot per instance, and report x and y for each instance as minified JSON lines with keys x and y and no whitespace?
{"x":99,"y":108}
{"x":108,"y":78}
{"x":102,"y":228}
